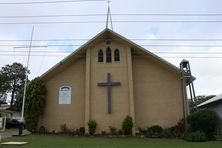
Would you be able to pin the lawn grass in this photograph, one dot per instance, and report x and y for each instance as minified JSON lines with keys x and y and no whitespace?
{"x":49,"y":141}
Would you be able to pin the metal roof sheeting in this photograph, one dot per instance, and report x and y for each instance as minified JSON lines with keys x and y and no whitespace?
{"x":214,"y":99}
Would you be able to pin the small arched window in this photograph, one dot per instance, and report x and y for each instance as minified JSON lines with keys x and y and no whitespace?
{"x":65,"y":94}
{"x":116,"y":55}
{"x":100,"y":56}
{"x":108,"y":55}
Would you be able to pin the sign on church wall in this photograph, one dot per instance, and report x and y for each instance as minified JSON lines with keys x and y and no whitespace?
{"x":65,"y":94}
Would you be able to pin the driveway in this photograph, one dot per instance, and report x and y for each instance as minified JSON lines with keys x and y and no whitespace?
{"x":10,"y":133}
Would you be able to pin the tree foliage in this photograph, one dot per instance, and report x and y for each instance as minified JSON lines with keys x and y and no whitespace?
{"x":4,"y":87}
{"x":15,"y":75}
{"x":199,"y":100}
{"x":35,"y":102}
{"x":18,"y":100}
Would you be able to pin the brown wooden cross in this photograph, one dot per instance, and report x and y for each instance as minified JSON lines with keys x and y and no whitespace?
{"x":109,"y":85}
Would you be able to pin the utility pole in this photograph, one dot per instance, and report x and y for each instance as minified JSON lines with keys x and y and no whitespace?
{"x":26,"y":79}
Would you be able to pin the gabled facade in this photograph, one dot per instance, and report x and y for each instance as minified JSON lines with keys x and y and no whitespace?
{"x":107,"y":79}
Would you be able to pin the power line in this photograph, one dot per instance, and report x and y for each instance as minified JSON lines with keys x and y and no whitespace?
{"x":116,"y":14}
{"x":134,"y":39}
{"x":124,"y":21}
{"x":18,"y":46}
{"x":62,"y":15}
{"x":36,"y":51}
{"x":171,"y":52}
{"x":183,"y":45}
{"x":173,"y":39}
{"x":31,"y":55}
{"x":61,"y":22}
{"x":47,"y":2}
{"x":146,"y":45}
{"x":177,"y":39}
{"x":68,"y":52}
{"x":37,"y":40}
{"x":205,"y":57}
{"x":31,"y":46}
{"x":170,"y":14}
{"x":213,"y":57}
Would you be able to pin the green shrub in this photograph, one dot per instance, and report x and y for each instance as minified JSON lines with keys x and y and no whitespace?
{"x":196,"y":136}
{"x":176,"y":131}
{"x":204,"y":120}
{"x":81,"y":131}
{"x":42,"y":130}
{"x":168,"y":133}
{"x":112,"y":130}
{"x":142,"y":131}
{"x":120,"y":132}
{"x":103,"y":133}
{"x":180,"y":127}
{"x":92,"y":127}
{"x":127,"y":125}
{"x":65,"y":130}
{"x":155,"y":131}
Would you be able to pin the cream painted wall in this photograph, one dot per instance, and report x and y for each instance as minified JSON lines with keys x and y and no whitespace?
{"x":120,"y":94}
{"x":157,"y":93}
{"x":73,"y":114}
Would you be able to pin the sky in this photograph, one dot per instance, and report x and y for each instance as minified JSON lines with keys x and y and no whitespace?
{"x":207,"y":68}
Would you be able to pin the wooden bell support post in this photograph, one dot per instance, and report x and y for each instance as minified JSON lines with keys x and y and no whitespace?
{"x":187,"y":81}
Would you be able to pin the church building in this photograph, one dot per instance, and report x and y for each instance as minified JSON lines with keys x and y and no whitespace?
{"x":108,"y":78}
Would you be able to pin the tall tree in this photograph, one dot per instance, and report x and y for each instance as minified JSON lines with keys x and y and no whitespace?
{"x":35,"y":102}
{"x":18,"y":100}
{"x":15,"y":75}
{"x":200,"y":99}
{"x":4,"y":87}
{"x":203,"y":98}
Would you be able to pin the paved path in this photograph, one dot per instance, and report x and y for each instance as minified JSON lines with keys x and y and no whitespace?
{"x":6,"y":134}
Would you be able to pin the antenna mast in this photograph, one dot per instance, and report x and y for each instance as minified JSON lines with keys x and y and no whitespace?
{"x":109,"y":17}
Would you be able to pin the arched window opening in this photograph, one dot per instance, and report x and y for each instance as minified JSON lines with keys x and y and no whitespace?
{"x":100,"y":56}
{"x":108,"y":55}
{"x":117,"y":55}
{"x":65,"y":94}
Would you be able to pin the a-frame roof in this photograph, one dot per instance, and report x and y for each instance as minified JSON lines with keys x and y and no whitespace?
{"x":104,"y":34}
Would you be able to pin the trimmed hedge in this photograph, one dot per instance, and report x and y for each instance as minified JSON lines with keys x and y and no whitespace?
{"x":92,"y":127}
{"x":127,"y":125}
